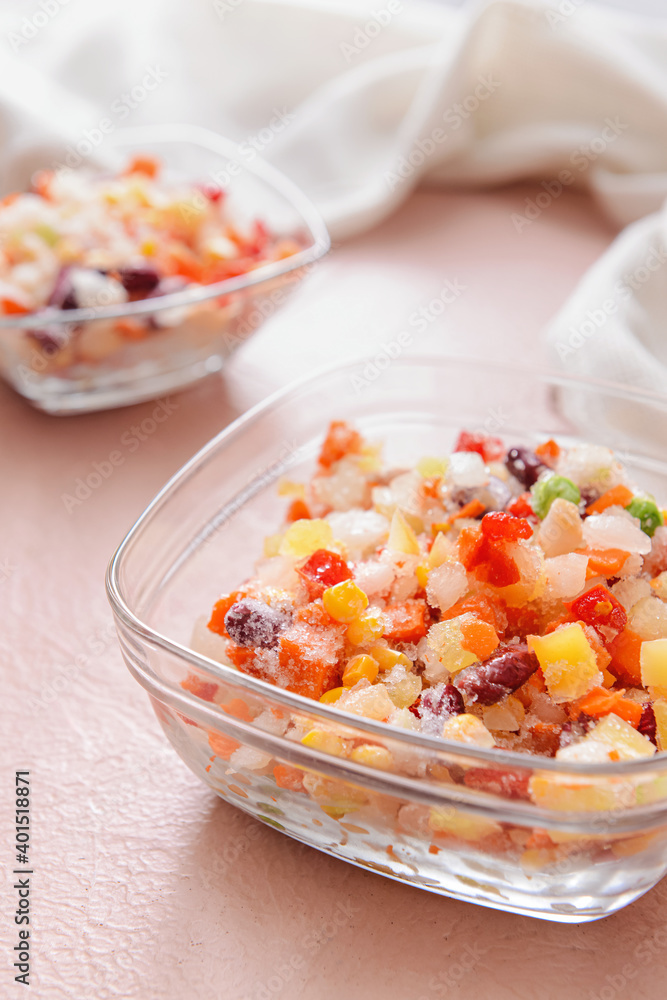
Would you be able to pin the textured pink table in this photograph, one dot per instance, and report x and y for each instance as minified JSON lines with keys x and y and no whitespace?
{"x":146,"y":886}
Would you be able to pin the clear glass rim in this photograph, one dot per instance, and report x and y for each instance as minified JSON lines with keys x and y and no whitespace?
{"x":197,"y":135}
{"x":328,"y":713}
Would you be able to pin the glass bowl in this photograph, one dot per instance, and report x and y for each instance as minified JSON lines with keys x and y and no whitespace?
{"x":77,"y":360}
{"x":446,"y":817}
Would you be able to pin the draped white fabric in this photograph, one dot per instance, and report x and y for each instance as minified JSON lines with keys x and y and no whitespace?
{"x":359,"y":103}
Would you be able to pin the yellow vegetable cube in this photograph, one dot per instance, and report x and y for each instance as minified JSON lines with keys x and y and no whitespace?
{"x":446,"y":639}
{"x":430,"y":466}
{"x":372,"y":755}
{"x":401,"y":536}
{"x":568,"y":662}
{"x":620,"y":736}
{"x":653,"y":660}
{"x":660,"y":710}
{"x":448,"y":819}
{"x":422,"y":575}
{"x":553,"y":791}
{"x":288,"y":488}
{"x":272,"y":545}
{"x":403,"y":687}
{"x":306,"y":536}
{"x":467,"y":729}
{"x":359,"y":667}
{"x":345,"y":601}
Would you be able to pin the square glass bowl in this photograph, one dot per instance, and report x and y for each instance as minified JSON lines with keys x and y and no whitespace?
{"x":446,"y":817}
{"x":78,"y":360}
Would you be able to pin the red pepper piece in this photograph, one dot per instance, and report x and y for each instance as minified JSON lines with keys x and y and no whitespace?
{"x":490,"y":448}
{"x":322,"y":570}
{"x":598,"y":607}
{"x":521,"y":507}
{"x":500,"y":525}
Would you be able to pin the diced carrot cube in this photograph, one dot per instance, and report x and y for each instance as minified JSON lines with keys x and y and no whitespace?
{"x":341,"y":440}
{"x":143,"y":165}
{"x":242,"y":657}
{"x":312,"y":614}
{"x":288,"y":777}
{"x":298,"y":510}
{"x":470,"y":509}
{"x":625,"y":653}
{"x":131,"y":329}
{"x":406,"y":622}
{"x":221,"y":745}
{"x":604,"y":562}
{"x":220,"y":609}
{"x":309,"y":661}
{"x":619,"y":496}
{"x":600,"y":701}
{"x":548,"y":452}
{"x":480,"y":606}
{"x":478,"y":637}
{"x":12,"y":308}
{"x":206,"y":690}
{"x":539,"y":839}
{"x":239,"y":709}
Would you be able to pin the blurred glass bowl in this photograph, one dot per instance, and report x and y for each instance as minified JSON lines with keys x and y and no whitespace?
{"x":451,"y":818}
{"x":78,"y":360}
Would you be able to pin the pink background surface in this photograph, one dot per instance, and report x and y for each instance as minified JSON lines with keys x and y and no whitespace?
{"x":147,"y":886}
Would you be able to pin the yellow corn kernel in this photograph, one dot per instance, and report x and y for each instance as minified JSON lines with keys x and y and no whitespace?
{"x":372,"y":755}
{"x":320,"y":739}
{"x":422,"y":575}
{"x":272,"y":545}
{"x":430,"y":466}
{"x":287,"y":488}
{"x":359,"y":667}
{"x":368,"y":627}
{"x":653,"y":659}
{"x":329,"y":697}
{"x":345,"y":601}
{"x":306,"y":536}
{"x":401,"y":536}
{"x":149,"y":248}
{"x":388,"y":658}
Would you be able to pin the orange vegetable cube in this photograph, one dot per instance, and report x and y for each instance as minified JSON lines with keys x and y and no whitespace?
{"x":221,"y":745}
{"x":617,"y":496}
{"x":478,"y":637}
{"x":406,"y":622}
{"x":625,"y":658}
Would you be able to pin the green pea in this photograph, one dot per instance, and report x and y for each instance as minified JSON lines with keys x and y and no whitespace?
{"x":545,"y":491}
{"x":646,"y":510}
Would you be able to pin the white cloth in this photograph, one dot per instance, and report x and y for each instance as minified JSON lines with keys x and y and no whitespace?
{"x":360,"y":103}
